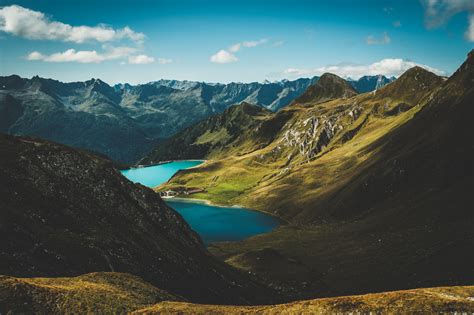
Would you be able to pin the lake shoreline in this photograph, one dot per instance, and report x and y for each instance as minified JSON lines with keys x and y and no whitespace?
{"x":213,"y":222}
{"x":210,"y":203}
{"x":167,"y":162}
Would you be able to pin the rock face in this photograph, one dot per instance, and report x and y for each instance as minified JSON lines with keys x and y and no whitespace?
{"x":65,"y":212}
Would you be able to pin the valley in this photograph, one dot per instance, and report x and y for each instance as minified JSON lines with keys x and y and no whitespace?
{"x":236,"y":157}
{"x":212,"y":223}
{"x":366,"y":182}
{"x":356,"y":193}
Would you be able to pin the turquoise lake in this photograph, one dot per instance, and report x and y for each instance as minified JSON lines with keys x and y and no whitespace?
{"x":156,"y":175}
{"x":213,"y":224}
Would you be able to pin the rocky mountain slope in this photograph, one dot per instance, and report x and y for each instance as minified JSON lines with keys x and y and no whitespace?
{"x":242,"y":128}
{"x":65,"y":212}
{"x":368,"y":184}
{"x":219,"y":133}
{"x":83,"y":114}
{"x":125,"y":121}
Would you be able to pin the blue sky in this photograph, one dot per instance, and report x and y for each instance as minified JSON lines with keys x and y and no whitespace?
{"x":223,"y":41}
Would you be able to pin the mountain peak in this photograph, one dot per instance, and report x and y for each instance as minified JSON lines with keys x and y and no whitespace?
{"x":328,"y":87}
{"x":411,"y":85}
{"x":465,"y":74}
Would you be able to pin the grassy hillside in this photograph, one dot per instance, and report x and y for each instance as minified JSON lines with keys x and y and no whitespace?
{"x":419,"y":301}
{"x":119,"y":293}
{"x":331,"y":135}
{"x":104,"y":293}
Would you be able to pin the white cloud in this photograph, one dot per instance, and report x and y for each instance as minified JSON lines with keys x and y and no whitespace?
{"x":228,"y":55}
{"x":35,"y":56}
{"x":235,"y":47}
{"x":92,"y":56}
{"x":439,"y":12}
{"x":385,"y":39}
{"x":164,"y":61}
{"x":248,"y":44}
{"x":397,"y":24}
{"x":388,"y":67}
{"x":140,"y":59}
{"x":470,"y":30}
{"x":223,"y":56}
{"x":23,"y":22}
{"x":70,"y":55}
{"x":278,"y":43}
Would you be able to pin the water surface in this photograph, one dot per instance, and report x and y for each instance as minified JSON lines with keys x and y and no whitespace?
{"x":212,"y":223}
{"x":156,"y":175}
{"x":217,"y":224}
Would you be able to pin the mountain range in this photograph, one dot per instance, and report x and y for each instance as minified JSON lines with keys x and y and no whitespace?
{"x":125,"y":121}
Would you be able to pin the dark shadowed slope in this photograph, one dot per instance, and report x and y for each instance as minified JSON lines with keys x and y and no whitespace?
{"x":64,"y":213}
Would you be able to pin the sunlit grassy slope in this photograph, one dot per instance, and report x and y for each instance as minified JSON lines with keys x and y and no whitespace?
{"x":420,"y":301}
{"x":98,"y":293}
{"x":120,"y":293}
{"x":320,"y":147}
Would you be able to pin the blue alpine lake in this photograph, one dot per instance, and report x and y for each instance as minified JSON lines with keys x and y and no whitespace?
{"x":156,"y":175}
{"x":212,"y":223}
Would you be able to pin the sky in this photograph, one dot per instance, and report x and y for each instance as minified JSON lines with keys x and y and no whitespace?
{"x":231,"y":41}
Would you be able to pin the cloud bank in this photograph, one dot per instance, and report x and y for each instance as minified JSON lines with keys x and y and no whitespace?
{"x":92,"y":56}
{"x":23,"y":22}
{"x":439,"y":12}
{"x":388,"y":67}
